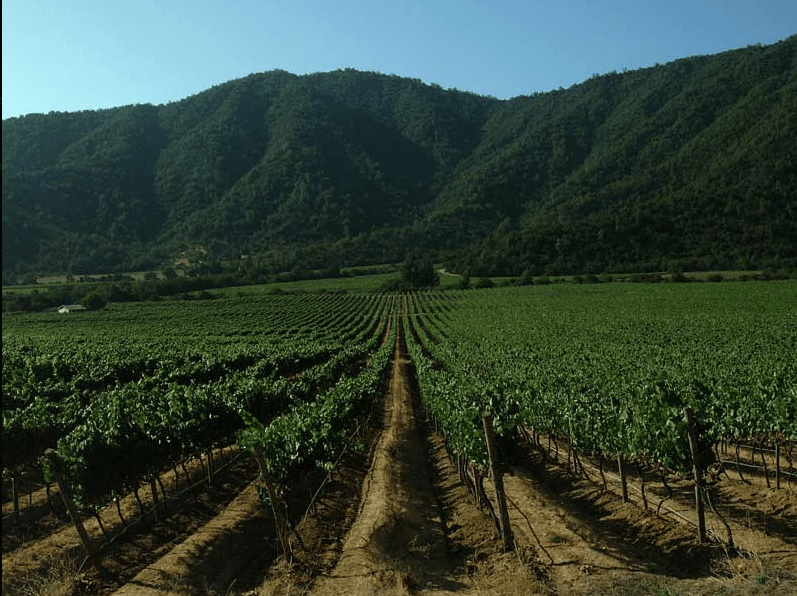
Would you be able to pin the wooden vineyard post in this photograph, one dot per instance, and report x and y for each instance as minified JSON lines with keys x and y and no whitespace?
{"x":623,"y":479}
{"x":498,"y":482}
{"x":697,"y":470}
{"x":154,"y":490}
{"x":72,"y":510}
{"x":47,"y":492}
{"x":621,"y":466}
{"x":763,"y":463}
{"x":777,"y":464}
{"x":738,"y":465}
{"x":15,"y":497}
{"x":279,"y":518}
{"x":600,"y":469}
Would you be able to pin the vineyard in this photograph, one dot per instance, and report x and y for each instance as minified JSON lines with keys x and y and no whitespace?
{"x":551,"y":439}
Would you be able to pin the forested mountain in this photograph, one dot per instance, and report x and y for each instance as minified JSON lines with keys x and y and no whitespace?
{"x":691,"y":165}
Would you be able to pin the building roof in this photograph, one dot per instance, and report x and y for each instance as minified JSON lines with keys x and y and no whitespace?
{"x":70,"y":307}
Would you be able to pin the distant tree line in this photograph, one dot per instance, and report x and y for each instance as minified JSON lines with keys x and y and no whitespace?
{"x":415,"y":272}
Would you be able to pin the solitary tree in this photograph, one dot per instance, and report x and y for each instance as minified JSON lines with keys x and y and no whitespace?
{"x":94,"y":300}
{"x":418,"y":272}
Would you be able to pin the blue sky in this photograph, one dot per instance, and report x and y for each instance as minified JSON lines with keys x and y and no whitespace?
{"x":69,"y":55}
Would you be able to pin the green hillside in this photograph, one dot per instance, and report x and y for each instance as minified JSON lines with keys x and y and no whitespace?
{"x":688,"y":165}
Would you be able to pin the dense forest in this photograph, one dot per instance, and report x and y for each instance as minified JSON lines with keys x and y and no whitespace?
{"x":684,"y":166}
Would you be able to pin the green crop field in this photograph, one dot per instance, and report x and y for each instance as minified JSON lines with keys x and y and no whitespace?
{"x":610,"y":365}
{"x":652,"y":374}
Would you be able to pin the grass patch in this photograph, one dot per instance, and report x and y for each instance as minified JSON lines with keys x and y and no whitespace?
{"x":57,"y":577}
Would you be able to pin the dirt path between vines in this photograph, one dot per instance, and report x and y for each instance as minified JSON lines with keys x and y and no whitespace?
{"x":398,"y":537}
{"x":762,"y":521}
{"x":414,"y":529}
{"x":39,"y":558}
{"x":229,"y":551}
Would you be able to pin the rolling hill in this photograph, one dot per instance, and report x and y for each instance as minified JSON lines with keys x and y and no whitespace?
{"x":687,"y":165}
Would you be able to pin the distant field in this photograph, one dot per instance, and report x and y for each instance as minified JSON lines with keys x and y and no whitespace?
{"x":371,"y":283}
{"x":364,"y":283}
{"x":353,"y":281}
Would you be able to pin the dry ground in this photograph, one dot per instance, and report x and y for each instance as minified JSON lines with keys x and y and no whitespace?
{"x":396,"y":520}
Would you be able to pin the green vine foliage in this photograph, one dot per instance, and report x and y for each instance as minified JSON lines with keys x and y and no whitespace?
{"x":313,"y":434}
{"x":132,"y":390}
{"x":613,"y":368}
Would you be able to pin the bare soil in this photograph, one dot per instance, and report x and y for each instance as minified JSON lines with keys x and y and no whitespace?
{"x":415,"y":528}
{"x":46,"y":546}
{"x":394,"y":518}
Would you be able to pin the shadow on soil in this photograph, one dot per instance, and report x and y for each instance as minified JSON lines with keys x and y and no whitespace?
{"x":634,"y":534}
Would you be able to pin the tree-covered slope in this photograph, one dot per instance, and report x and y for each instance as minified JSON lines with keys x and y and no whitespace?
{"x":690,"y":164}
{"x":265,"y":163}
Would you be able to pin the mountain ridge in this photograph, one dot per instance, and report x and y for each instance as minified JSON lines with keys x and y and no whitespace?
{"x":687,"y":165}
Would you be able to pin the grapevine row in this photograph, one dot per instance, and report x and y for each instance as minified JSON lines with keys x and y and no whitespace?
{"x":612,"y":372}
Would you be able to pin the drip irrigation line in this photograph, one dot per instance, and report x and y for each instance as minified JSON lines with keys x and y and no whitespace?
{"x":733,"y":464}
{"x":137,"y":520}
{"x":660,"y":506}
{"x":786,"y":445}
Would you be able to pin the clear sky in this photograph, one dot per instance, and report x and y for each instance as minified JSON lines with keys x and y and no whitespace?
{"x":69,"y":55}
